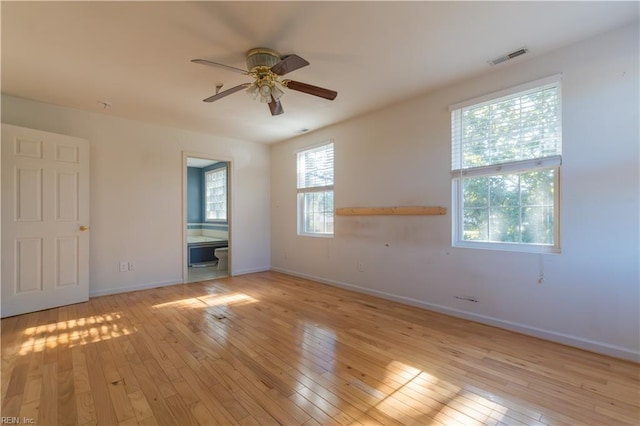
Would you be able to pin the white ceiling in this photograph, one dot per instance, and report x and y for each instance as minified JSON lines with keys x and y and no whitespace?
{"x":200,"y":162}
{"x":136,"y":55}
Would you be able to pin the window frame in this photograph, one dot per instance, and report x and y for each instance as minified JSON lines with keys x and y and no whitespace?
{"x":301,"y":192}
{"x":225,"y":169}
{"x":552,"y":162}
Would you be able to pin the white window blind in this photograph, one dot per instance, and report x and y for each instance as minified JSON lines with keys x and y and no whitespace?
{"x":315,"y":167}
{"x":516,"y":127}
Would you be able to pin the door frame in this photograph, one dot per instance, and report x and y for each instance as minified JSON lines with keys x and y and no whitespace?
{"x":230,"y":177}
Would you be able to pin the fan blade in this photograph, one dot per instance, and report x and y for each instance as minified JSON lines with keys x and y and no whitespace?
{"x":288,"y":64}
{"x":311,"y":90}
{"x":226,"y":92}
{"x":275,"y":106}
{"x":215,"y":64}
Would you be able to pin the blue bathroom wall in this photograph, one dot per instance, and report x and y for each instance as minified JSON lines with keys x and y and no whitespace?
{"x":195,"y":193}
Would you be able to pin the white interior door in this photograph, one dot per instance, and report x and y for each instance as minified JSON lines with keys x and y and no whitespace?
{"x":45,"y":220}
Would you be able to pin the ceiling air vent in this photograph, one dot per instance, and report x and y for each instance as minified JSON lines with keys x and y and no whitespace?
{"x":508,"y":56}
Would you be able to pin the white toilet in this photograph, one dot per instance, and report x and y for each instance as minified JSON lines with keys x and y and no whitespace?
{"x":222,"y":254}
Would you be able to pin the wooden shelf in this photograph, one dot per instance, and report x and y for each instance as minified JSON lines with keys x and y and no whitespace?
{"x":390,"y":211}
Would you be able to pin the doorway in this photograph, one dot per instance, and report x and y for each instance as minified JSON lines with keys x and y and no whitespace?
{"x":206,"y":212}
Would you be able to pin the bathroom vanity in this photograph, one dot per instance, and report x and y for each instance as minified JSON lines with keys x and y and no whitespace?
{"x":200,"y":249}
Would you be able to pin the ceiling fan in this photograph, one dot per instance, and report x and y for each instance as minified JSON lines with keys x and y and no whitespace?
{"x":266,"y":67}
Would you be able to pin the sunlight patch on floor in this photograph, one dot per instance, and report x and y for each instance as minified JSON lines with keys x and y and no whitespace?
{"x":207,"y":300}
{"x":192,"y":302}
{"x":227,"y":299}
{"x":74,"y":332}
{"x":432,"y":399}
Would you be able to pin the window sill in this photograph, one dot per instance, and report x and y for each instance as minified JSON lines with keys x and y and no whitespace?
{"x":511,"y":247}
{"x":300,"y":234}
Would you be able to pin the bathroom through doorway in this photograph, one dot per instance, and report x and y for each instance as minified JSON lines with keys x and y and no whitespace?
{"x":206,"y":212}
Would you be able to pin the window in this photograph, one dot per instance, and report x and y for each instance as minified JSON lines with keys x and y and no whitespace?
{"x":315,"y":191}
{"x":506,"y":156}
{"x":215,"y":192}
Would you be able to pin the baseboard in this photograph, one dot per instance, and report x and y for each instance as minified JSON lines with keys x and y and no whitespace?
{"x":157,"y":284}
{"x":251,"y":271}
{"x":145,"y":286}
{"x":565,"y":339}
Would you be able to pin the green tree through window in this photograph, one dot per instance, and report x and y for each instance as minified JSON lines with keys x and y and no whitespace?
{"x":505,"y":168}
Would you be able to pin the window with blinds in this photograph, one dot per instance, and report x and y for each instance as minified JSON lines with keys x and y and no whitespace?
{"x":315,"y":191}
{"x":216,"y":194}
{"x":506,"y":155}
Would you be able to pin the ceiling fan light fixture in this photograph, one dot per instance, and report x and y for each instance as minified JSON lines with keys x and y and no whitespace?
{"x":276,"y":91}
{"x":265,"y":93}
{"x":253,"y":91}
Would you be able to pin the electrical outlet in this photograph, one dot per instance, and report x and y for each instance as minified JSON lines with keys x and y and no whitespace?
{"x":361,"y":266}
{"x":124,"y":267}
{"x":132,"y":266}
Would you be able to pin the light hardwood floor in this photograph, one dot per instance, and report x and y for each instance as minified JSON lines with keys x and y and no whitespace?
{"x":268,"y":348}
{"x":204,"y":274}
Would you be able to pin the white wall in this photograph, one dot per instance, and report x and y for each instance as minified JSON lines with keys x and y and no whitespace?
{"x":400,"y":156}
{"x":136,"y":193}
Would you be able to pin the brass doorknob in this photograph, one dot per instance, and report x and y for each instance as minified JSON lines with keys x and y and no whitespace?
{"x":83,"y":228}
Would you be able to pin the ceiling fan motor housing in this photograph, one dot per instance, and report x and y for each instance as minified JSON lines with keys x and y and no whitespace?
{"x":262,"y":57}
